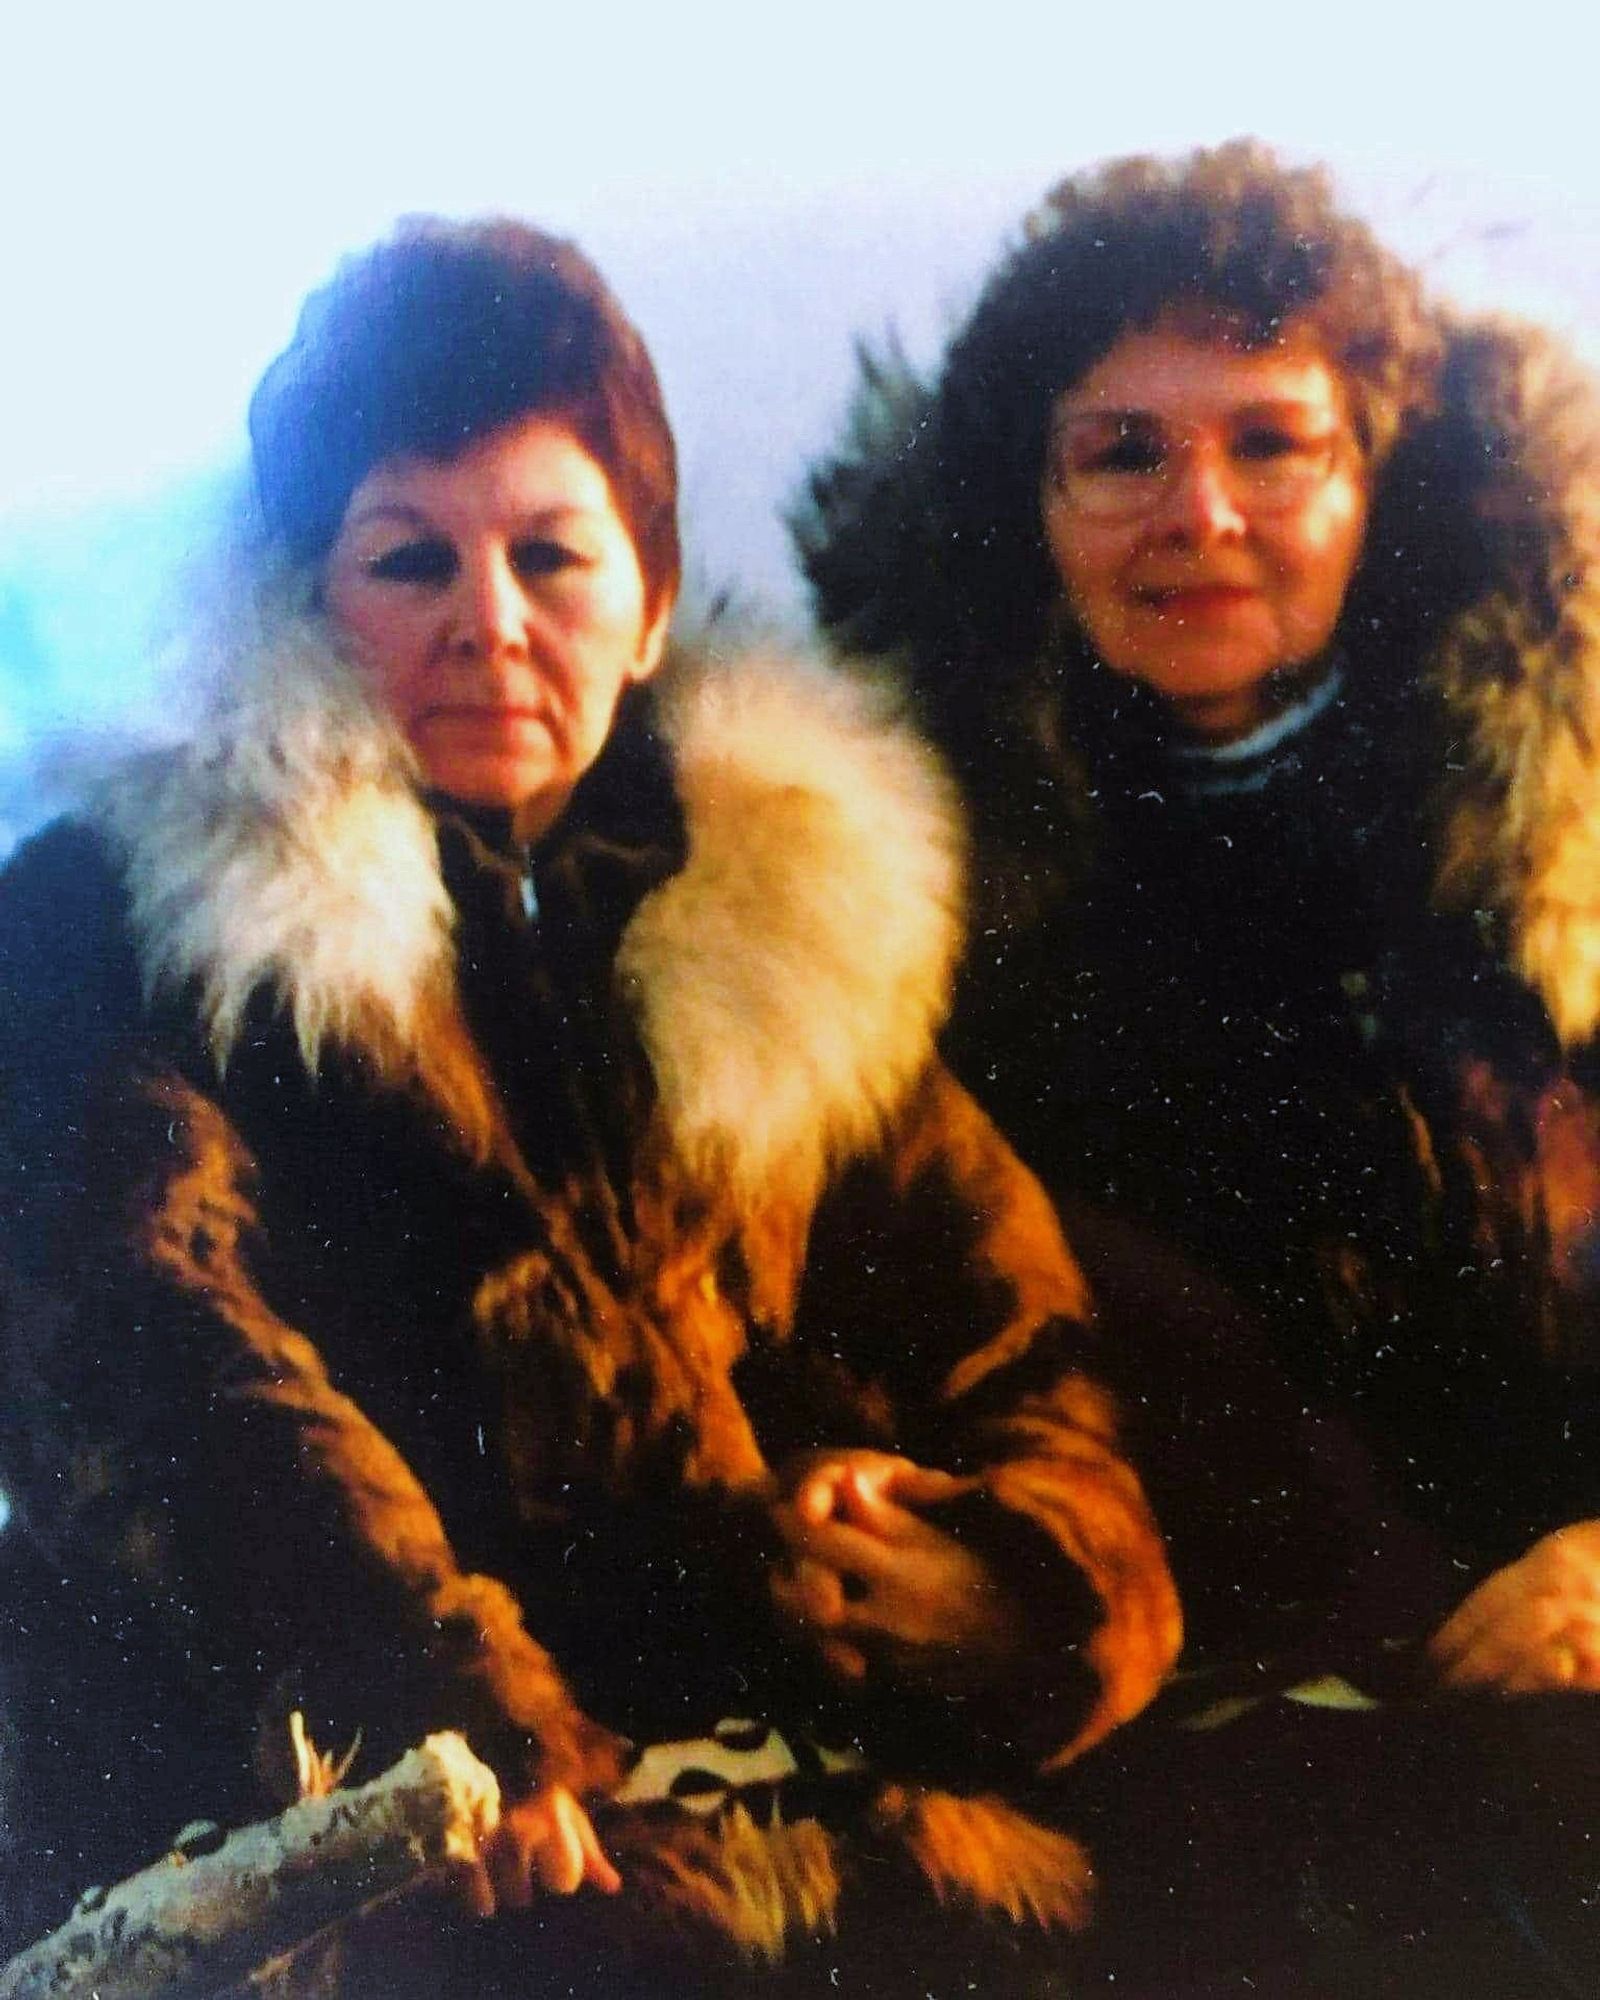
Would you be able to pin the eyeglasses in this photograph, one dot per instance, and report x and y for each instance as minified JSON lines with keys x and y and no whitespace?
{"x":1122,"y":465}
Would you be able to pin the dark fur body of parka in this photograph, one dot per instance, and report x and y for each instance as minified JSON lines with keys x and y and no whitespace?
{"x":1336,"y":1037}
{"x":413,"y":1302}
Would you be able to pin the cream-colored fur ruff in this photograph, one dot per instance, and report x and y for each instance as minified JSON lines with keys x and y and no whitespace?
{"x":788,"y":982}
{"x":283,"y":848}
{"x":1522,"y":821}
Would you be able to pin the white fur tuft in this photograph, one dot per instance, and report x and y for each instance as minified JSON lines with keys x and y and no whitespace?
{"x":789,"y":983}
{"x":285,"y":848}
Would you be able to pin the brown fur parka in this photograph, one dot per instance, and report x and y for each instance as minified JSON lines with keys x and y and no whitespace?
{"x":1337,"y":1038}
{"x":421,"y":1267}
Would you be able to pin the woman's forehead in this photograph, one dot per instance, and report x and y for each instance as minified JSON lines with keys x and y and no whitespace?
{"x":1167,"y":373}
{"x":536,"y":465}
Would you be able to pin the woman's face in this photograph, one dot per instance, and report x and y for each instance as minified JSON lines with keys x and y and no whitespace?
{"x":1205,"y":506}
{"x":496,"y":604}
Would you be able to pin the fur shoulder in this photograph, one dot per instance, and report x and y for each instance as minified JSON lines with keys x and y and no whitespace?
{"x":1519,"y":669}
{"x":284,"y":848}
{"x":790,"y":981}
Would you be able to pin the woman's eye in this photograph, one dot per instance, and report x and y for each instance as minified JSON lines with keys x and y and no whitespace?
{"x":537,"y":557}
{"x":1132,"y":454}
{"x":1266,"y":442}
{"x":430,"y":563}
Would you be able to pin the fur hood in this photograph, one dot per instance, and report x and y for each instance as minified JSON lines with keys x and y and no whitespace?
{"x":788,"y":982}
{"x":1473,"y":627}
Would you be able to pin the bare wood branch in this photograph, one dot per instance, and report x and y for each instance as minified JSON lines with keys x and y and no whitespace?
{"x":185,"y":1927}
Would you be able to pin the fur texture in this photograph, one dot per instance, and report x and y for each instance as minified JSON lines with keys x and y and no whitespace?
{"x":1512,"y":676}
{"x":285,"y":849}
{"x":1520,"y":673}
{"x":730,"y":1881}
{"x":649,"y":1292}
{"x":788,"y":995}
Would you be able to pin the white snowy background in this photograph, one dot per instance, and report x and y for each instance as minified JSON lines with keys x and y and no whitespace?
{"x":761,"y":185}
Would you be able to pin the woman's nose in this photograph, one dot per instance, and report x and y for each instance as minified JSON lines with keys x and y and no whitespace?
{"x":492,"y":611}
{"x":1200,"y":499}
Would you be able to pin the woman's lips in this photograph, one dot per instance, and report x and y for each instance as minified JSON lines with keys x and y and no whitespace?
{"x":487,"y":717}
{"x":1195,"y":600}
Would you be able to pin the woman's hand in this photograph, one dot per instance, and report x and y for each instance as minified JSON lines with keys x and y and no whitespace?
{"x":873,"y":1583}
{"x":544,"y":1842}
{"x":1533,"y":1626}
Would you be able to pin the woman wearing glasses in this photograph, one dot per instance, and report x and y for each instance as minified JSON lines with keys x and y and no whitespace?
{"x":1255,"y":601}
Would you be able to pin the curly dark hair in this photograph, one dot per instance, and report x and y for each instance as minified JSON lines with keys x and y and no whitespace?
{"x":1227,"y":238}
{"x":434,"y":339}
{"x":922,"y":533}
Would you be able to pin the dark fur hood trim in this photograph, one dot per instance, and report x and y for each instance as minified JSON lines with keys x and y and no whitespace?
{"x":1475,"y":623}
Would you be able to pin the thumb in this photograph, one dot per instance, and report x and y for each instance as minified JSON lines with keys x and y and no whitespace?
{"x":558,"y":1860}
{"x":900,"y":1483}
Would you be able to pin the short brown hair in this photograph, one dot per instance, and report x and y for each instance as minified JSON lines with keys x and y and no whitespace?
{"x":434,"y":339}
{"x":1229,"y":235}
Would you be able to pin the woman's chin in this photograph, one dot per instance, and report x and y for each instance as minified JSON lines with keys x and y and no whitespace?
{"x":1212,"y":697}
{"x":506,"y":782}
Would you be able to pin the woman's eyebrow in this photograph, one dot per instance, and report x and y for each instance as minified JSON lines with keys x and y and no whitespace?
{"x":390,"y":510}
{"x":406,"y":513}
{"x":558,"y":514}
{"x":1131,"y":414}
{"x":1108,"y":416}
{"x":1280,"y":406}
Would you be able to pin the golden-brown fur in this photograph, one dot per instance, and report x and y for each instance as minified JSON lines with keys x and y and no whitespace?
{"x":319,"y":1154}
{"x":1519,"y":673}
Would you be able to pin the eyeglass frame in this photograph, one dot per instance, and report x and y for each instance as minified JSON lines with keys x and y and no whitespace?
{"x":1332,"y":449}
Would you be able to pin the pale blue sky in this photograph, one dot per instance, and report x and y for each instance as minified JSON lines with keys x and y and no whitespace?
{"x":178,"y":175}
{"x":760,"y":184}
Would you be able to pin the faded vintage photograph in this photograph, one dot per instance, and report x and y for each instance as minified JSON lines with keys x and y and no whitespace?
{"x":800,"y":1005}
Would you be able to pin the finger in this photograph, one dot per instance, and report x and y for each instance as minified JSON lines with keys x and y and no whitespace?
{"x":476,"y":1889}
{"x":801,"y":1520}
{"x":557,"y":1860}
{"x":1473,"y":1667}
{"x":847,"y":1661}
{"x":593,"y":1861}
{"x":1541,"y":1670}
{"x":1507,"y":1661}
{"x":505,"y":1860}
{"x":810,"y":1592}
{"x":851,"y":1551}
{"x":1570,"y":1659}
{"x":816,"y":1495}
{"x":1473,"y":1620}
{"x":913,"y":1485}
{"x":862,"y":1502}
{"x":597,"y":1864}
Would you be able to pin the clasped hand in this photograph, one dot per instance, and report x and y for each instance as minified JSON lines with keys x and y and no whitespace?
{"x":874,"y":1584}
{"x":869,"y":1579}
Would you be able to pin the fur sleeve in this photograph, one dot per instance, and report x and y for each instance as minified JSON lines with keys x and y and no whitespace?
{"x":946,"y":1260}
{"x":169,"y":1437}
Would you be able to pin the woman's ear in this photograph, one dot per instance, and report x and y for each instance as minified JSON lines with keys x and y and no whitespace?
{"x":654,"y":641}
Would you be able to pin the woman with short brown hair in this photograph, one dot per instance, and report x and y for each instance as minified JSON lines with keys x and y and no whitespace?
{"x":487,"y":1241}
